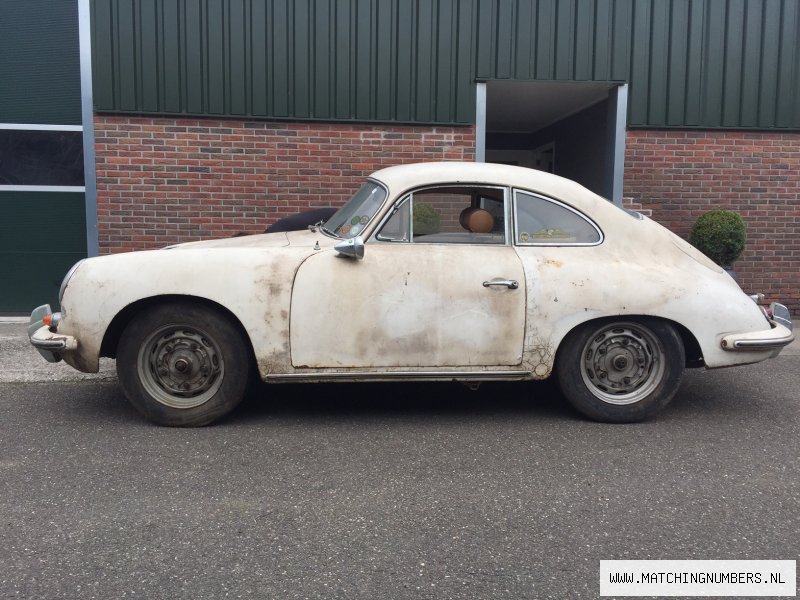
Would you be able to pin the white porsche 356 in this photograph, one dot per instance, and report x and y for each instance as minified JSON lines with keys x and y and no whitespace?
{"x":435,"y":271}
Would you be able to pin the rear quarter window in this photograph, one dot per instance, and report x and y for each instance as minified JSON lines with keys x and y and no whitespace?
{"x":542,"y":221}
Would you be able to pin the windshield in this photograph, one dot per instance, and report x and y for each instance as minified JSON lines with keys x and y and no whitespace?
{"x":352,"y":218}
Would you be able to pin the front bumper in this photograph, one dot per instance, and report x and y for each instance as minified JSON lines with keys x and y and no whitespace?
{"x":775,"y":339}
{"x":50,"y":344}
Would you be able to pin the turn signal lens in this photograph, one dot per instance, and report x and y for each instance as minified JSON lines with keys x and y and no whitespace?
{"x":52,"y":320}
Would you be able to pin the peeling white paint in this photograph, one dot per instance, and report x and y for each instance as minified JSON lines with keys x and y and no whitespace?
{"x":422,"y":308}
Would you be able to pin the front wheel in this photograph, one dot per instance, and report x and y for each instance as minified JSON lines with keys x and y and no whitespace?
{"x":621,"y":371}
{"x":183,"y":365}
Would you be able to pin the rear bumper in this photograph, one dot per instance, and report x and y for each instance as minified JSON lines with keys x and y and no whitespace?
{"x":50,"y":344}
{"x":779,"y":335}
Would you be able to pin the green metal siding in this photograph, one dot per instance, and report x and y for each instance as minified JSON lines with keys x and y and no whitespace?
{"x":42,"y":234}
{"x":40,"y":62}
{"x":689,"y":63}
{"x":354,"y":60}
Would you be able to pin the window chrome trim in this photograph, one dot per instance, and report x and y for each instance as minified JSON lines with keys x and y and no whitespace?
{"x":373,"y":237}
{"x":600,"y":233}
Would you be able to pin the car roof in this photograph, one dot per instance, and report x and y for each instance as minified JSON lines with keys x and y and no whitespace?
{"x":404,"y":177}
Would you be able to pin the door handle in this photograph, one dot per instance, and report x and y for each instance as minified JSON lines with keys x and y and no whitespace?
{"x":511,"y":284}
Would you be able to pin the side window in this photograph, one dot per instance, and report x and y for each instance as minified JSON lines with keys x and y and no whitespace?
{"x":448,"y":215}
{"x":541,"y":221}
{"x":398,"y":227}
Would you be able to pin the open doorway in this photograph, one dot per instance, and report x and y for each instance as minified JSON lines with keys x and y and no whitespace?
{"x":572,"y":129}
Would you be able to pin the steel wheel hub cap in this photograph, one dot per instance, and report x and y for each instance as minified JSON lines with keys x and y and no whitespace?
{"x":181,"y":367}
{"x":622,"y":363}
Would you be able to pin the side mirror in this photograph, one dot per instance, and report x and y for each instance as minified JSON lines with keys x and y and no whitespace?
{"x":352,"y":248}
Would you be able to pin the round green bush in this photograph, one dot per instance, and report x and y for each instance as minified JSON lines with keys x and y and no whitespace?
{"x":720,"y":235}
{"x":426,"y":219}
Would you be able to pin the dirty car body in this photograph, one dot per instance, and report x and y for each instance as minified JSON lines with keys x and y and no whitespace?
{"x":435,"y":271}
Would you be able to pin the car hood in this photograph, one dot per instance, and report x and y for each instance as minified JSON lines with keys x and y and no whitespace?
{"x":300,"y":238}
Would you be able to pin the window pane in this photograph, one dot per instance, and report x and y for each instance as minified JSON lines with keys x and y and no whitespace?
{"x":397,"y":227}
{"x":31,"y":157}
{"x":540,"y":221}
{"x":351,"y":219}
{"x":459,"y":215}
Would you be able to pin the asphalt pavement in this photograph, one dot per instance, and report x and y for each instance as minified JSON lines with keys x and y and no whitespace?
{"x":384,"y":491}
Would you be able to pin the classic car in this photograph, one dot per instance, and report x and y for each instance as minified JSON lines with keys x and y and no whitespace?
{"x":437,"y":271}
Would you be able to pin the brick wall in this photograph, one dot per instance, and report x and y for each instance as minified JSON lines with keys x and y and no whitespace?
{"x":162,"y":181}
{"x":675,"y":176}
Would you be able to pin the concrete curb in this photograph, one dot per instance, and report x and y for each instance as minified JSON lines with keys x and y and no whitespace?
{"x":21,"y":363}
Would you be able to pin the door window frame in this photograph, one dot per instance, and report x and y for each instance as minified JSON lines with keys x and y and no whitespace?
{"x":408,"y":195}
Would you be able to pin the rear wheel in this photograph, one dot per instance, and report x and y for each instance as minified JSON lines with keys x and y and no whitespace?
{"x":621,"y":371}
{"x":183,"y":365}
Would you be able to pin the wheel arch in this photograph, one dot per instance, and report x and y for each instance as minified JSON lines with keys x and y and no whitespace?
{"x":111,"y":338}
{"x":692,"y":350}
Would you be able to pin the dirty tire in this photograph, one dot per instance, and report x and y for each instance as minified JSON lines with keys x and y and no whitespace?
{"x":621,"y":370}
{"x":183,"y":364}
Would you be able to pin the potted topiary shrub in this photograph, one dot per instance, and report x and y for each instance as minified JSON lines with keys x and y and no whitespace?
{"x":720,"y":235}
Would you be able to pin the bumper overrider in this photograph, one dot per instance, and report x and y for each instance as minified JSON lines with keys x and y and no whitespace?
{"x":43,"y":334}
{"x":779,"y":335}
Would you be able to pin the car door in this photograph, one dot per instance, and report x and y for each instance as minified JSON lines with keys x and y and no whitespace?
{"x":429,"y":292}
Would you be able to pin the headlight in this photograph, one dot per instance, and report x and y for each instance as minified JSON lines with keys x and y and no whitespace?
{"x":64,"y":283}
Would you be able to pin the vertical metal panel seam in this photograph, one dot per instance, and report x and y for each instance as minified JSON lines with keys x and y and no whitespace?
{"x":651,"y":14}
{"x":742,"y":62}
{"x":394,"y":58}
{"x":794,"y":117}
{"x":513,"y":70}
{"x":535,"y":39}
{"x":114,"y":26}
{"x":355,"y":82}
{"x":161,"y":52}
{"x":312,"y":57}
{"x":374,"y":60}
{"x":394,"y":54}
{"x":415,"y":61}
{"x":138,"y":90}
{"x":669,"y":65}
{"x":291,"y":41}
{"x":161,"y":101}
{"x":248,"y":67}
{"x":204,"y":101}
{"x":227,"y":57}
{"x":183,"y":41}
{"x":454,"y":70}
{"x":779,"y":87}
{"x":761,"y":61}
{"x":332,"y":60}
{"x":725,"y":32}
{"x":703,"y":62}
{"x":595,"y":28}
{"x":703,"y":69}
{"x":492,"y":34}
{"x":437,"y":57}
{"x":631,"y":38}
{"x":687,"y":59}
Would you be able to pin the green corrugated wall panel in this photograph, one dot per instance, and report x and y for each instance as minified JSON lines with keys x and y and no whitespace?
{"x":40,"y":62}
{"x":42,"y":234}
{"x":695,"y":63}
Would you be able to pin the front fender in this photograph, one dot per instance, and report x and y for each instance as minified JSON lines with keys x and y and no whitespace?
{"x":254,"y":284}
